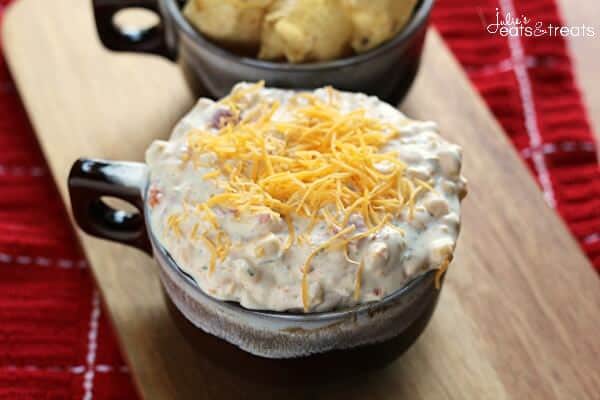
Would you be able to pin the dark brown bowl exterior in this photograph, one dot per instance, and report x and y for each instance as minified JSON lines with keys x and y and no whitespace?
{"x":377,"y":331}
{"x":317,"y":368}
{"x":386,"y":72}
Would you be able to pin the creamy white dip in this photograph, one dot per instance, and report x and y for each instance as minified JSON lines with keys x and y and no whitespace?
{"x":258,"y":270}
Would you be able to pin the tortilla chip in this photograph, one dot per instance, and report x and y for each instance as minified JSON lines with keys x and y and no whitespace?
{"x":307,"y":30}
{"x":231,"y":22}
{"x":300,"y":30}
{"x":376,"y":21}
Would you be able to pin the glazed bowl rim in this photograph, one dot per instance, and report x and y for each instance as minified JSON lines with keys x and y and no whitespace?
{"x":417,"y":20}
{"x":389,"y":300}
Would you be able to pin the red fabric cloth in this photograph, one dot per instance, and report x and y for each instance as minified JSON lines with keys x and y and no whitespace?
{"x":55,"y":341}
{"x":528,"y":83}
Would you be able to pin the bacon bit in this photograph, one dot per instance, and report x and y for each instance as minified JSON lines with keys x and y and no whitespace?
{"x":264,"y":218}
{"x":222,"y":118}
{"x":234,"y":212}
{"x":377,"y":292}
{"x":353,"y":246}
{"x":358,"y":221}
{"x":154,"y":197}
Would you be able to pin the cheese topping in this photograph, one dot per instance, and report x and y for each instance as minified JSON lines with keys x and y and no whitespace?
{"x":288,"y":200}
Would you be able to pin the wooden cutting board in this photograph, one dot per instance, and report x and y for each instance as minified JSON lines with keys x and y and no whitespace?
{"x":518,"y":317}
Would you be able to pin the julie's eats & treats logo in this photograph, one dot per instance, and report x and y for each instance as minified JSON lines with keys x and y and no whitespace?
{"x":507,"y":24}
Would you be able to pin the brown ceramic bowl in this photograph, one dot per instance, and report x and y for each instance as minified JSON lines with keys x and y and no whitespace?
{"x":386,"y":71}
{"x":379,"y":331}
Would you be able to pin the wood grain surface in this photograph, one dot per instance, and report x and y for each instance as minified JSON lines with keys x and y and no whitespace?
{"x":518,"y":317}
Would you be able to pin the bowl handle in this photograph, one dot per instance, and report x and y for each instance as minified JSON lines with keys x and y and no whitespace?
{"x":152,"y":40}
{"x":90,"y":181}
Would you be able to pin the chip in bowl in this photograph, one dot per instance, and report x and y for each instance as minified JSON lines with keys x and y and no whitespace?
{"x":231,"y":22}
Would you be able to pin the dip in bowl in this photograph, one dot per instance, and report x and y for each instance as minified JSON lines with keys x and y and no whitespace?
{"x":289,"y":223}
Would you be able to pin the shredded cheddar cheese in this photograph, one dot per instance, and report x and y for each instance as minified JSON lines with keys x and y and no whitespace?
{"x":212,"y":174}
{"x":441,"y":271}
{"x":213,"y":253}
{"x":358,"y":280}
{"x":291,"y":233}
{"x":347,"y":256}
{"x":306,"y":266}
{"x":321,"y":164}
{"x":289,"y":201}
{"x":320,"y":158}
{"x":174,"y":222}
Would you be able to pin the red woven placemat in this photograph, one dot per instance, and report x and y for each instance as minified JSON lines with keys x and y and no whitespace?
{"x":55,"y":342}
{"x":528,"y":83}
